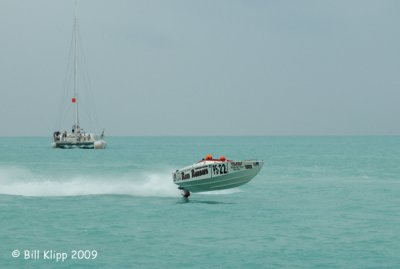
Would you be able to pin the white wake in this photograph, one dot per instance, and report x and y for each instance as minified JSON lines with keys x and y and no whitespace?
{"x":20,"y":181}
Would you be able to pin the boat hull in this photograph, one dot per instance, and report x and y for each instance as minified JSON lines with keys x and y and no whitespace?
{"x":99,"y":144}
{"x":211,"y":176}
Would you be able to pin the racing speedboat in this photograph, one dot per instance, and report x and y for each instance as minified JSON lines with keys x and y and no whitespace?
{"x":211,"y":174}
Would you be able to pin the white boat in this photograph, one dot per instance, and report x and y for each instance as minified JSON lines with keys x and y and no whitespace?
{"x":211,"y":174}
{"x":77,"y":138}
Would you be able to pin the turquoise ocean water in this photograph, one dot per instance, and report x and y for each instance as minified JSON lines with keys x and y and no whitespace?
{"x":319,"y":202}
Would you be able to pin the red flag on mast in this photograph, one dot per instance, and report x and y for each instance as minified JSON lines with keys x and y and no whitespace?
{"x":73,"y":100}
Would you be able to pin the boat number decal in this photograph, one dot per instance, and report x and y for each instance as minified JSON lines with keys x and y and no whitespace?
{"x":220,"y":169}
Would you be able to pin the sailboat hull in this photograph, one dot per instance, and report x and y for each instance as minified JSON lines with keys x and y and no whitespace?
{"x":70,"y":145}
{"x":96,"y":144}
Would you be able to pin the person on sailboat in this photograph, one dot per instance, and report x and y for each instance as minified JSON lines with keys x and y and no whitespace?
{"x":56,"y":136}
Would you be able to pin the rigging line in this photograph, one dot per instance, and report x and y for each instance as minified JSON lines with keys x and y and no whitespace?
{"x":92,"y":113}
{"x":76,"y":30}
{"x":66,"y":110}
{"x":68,"y":83}
{"x":65,"y":86}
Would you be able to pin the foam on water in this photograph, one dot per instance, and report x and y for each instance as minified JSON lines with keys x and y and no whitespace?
{"x":20,"y":181}
{"x":222,"y":192}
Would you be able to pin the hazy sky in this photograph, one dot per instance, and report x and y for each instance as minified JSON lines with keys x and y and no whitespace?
{"x":205,"y":67}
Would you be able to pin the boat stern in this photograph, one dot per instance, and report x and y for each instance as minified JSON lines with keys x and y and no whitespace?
{"x":100,"y":144}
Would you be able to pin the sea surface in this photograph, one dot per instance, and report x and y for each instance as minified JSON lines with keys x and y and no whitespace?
{"x":318,"y":202}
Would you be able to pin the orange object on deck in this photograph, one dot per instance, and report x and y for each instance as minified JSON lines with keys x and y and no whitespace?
{"x":208,"y":157}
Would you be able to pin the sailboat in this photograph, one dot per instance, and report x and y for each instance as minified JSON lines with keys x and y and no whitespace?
{"x":77,"y":138}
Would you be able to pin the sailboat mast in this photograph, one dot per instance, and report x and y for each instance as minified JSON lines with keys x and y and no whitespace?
{"x":76,"y":68}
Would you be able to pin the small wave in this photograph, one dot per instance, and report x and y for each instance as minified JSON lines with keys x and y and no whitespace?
{"x":20,"y":181}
